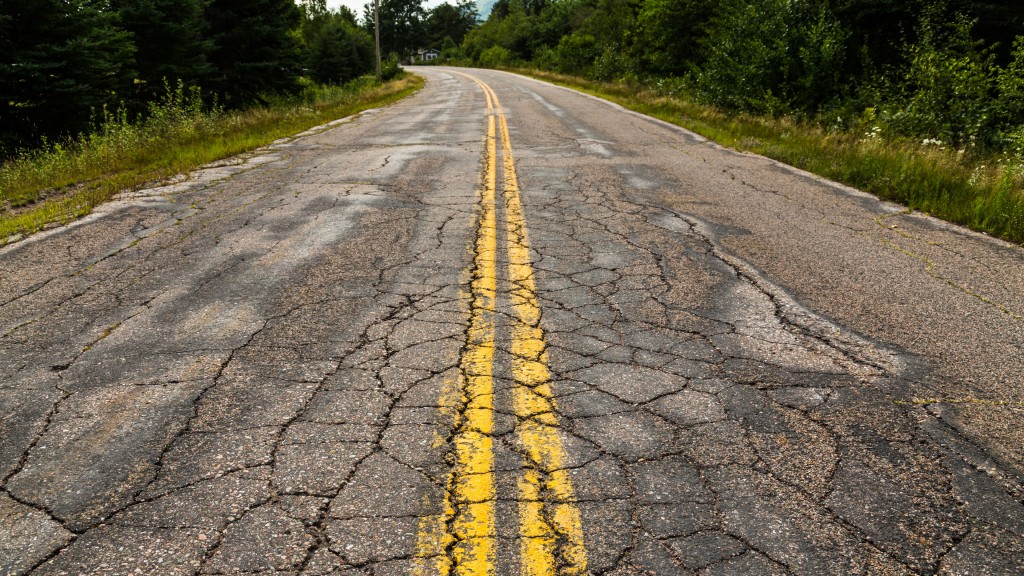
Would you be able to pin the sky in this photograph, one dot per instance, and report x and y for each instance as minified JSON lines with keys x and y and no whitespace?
{"x":357,"y":5}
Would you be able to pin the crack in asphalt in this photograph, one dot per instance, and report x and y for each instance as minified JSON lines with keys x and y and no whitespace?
{"x":702,"y":405}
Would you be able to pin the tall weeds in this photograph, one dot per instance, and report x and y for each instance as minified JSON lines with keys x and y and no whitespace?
{"x":62,"y":181}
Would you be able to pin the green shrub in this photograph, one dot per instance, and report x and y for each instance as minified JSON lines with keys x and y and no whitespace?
{"x":449,"y":50}
{"x":816,"y":74}
{"x":746,"y":61}
{"x":772,"y":56}
{"x":1009,"y":106}
{"x":614,"y":63}
{"x":576,"y":53}
{"x":389,"y":68}
{"x":495,"y":57}
{"x":948,"y":94}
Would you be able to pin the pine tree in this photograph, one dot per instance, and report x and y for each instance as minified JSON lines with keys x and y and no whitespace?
{"x":169,"y":43}
{"x":61,"y":63}
{"x":254,"y":52}
{"x":340,"y":52}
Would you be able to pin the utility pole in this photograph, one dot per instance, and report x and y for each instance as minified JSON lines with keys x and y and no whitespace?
{"x":376,"y":33}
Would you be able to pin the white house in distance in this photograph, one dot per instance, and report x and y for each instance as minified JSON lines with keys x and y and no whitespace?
{"x":426,"y":55}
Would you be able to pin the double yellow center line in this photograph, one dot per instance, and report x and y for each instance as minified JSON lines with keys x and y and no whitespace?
{"x":462,"y":540}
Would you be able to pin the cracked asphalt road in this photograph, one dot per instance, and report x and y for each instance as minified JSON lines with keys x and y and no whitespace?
{"x":503,"y":327}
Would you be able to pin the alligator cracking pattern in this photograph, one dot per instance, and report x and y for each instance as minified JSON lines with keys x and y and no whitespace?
{"x":550,"y":533}
{"x":261,"y":373}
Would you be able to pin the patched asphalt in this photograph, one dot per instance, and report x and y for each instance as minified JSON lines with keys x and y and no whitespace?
{"x":752,"y":371}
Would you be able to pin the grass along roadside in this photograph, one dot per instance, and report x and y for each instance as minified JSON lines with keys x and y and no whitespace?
{"x":982,"y":191}
{"x":64,"y":182}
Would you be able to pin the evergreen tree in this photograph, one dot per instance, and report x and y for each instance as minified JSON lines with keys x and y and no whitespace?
{"x":61,"y":63}
{"x":315,"y":15}
{"x":254,"y":49}
{"x":340,"y":52}
{"x":169,"y":43}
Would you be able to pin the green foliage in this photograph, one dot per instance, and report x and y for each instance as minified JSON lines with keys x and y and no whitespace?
{"x":334,"y":48}
{"x":771,"y":56}
{"x":820,"y":43}
{"x":449,"y":49}
{"x":66,"y":64}
{"x":876,"y":28}
{"x":389,"y":67}
{"x":170,"y":44}
{"x":448,"y":22}
{"x":947,"y":95}
{"x":669,"y":33}
{"x":1009,"y":104}
{"x":614,"y":63}
{"x":747,"y":57}
{"x":917,"y":66}
{"x":402,"y":26}
{"x":524,"y":36}
{"x":61,"y":62}
{"x":495,"y":57}
{"x":340,"y":52}
{"x":576,"y":53}
{"x":900,"y":98}
{"x":313,"y":16}
{"x":998,"y":22}
{"x":254,"y":49}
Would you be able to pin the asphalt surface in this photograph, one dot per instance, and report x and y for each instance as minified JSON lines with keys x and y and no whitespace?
{"x":501,"y":327}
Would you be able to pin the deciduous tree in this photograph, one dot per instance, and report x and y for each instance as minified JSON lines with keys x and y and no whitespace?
{"x":402,"y":26}
{"x":451,"y":21}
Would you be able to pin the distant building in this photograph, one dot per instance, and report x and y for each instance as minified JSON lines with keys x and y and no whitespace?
{"x":426,"y":55}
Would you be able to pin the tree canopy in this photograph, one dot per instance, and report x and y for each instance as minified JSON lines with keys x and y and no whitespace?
{"x":451,"y":21}
{"x":254,"y":50}
{"x":940,"y":69}
{"x":65,"y":64}
{"x":170,"y":38}
{"x":61,"y":63}
{"x":402,"y":26}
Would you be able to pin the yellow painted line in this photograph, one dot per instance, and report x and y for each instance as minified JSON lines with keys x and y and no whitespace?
{"x":550,"y":525}
{"x":462,"y":539}
{"x":473,"y":524}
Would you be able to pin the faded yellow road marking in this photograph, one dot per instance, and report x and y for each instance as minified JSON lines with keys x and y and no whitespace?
{"x":549,"y":523}
{"x":473,"y":524}
{"x":462,"y":540}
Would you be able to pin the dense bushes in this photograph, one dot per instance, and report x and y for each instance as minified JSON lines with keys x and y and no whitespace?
{"x":64,"y":62}
{"x":913,"y":70}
